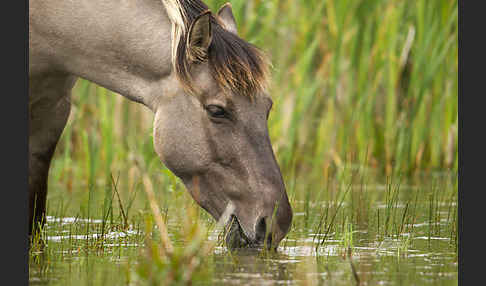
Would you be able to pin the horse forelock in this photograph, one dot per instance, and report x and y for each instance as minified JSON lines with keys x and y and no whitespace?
{"x":236,"y":65}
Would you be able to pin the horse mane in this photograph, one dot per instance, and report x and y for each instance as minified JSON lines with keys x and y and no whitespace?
{"x":236,"y":65}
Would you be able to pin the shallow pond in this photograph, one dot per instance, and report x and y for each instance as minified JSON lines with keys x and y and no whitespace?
{"x":404,"y":236}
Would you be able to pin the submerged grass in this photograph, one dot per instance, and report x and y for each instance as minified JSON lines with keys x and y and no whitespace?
{"x":364,"y":127}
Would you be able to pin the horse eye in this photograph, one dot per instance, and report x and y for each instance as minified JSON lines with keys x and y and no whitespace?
{"x":216,"y":111}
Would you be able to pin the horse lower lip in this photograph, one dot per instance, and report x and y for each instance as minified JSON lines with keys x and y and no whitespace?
{"x":235,"y":237}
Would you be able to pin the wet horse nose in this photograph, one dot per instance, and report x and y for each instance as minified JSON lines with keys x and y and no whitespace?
{"x":261,"y":232}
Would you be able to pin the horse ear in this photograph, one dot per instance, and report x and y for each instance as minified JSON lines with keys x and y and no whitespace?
{"x":225,"y":14}
{"x":199,"y":37}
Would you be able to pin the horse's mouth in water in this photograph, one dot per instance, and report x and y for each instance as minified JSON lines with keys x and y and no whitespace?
{"x":236,"y":237}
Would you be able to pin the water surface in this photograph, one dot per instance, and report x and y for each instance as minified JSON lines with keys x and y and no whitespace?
{"x":332,"y":242}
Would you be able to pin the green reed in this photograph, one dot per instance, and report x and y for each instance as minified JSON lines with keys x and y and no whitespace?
{"x":372,"y":83}
{"x":359,"y":76}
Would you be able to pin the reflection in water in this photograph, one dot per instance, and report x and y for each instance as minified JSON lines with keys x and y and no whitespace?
{"x":244,"y":266}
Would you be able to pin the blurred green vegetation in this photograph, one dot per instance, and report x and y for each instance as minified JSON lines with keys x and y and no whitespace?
{"x":367,"y":83}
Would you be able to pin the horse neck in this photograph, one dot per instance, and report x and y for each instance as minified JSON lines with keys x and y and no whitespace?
{"x":124,"y":46}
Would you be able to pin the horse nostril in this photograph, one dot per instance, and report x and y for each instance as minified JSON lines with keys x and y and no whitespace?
{"x":261,"y":229}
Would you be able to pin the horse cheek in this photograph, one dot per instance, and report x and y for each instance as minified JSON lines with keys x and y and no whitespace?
{"x":181,"y":146}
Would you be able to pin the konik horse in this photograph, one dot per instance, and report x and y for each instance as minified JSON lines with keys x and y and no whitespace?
{"x":205,"y":85}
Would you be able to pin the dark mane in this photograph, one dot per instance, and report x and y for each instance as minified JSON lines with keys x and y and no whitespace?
{"x":236,"y":65}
